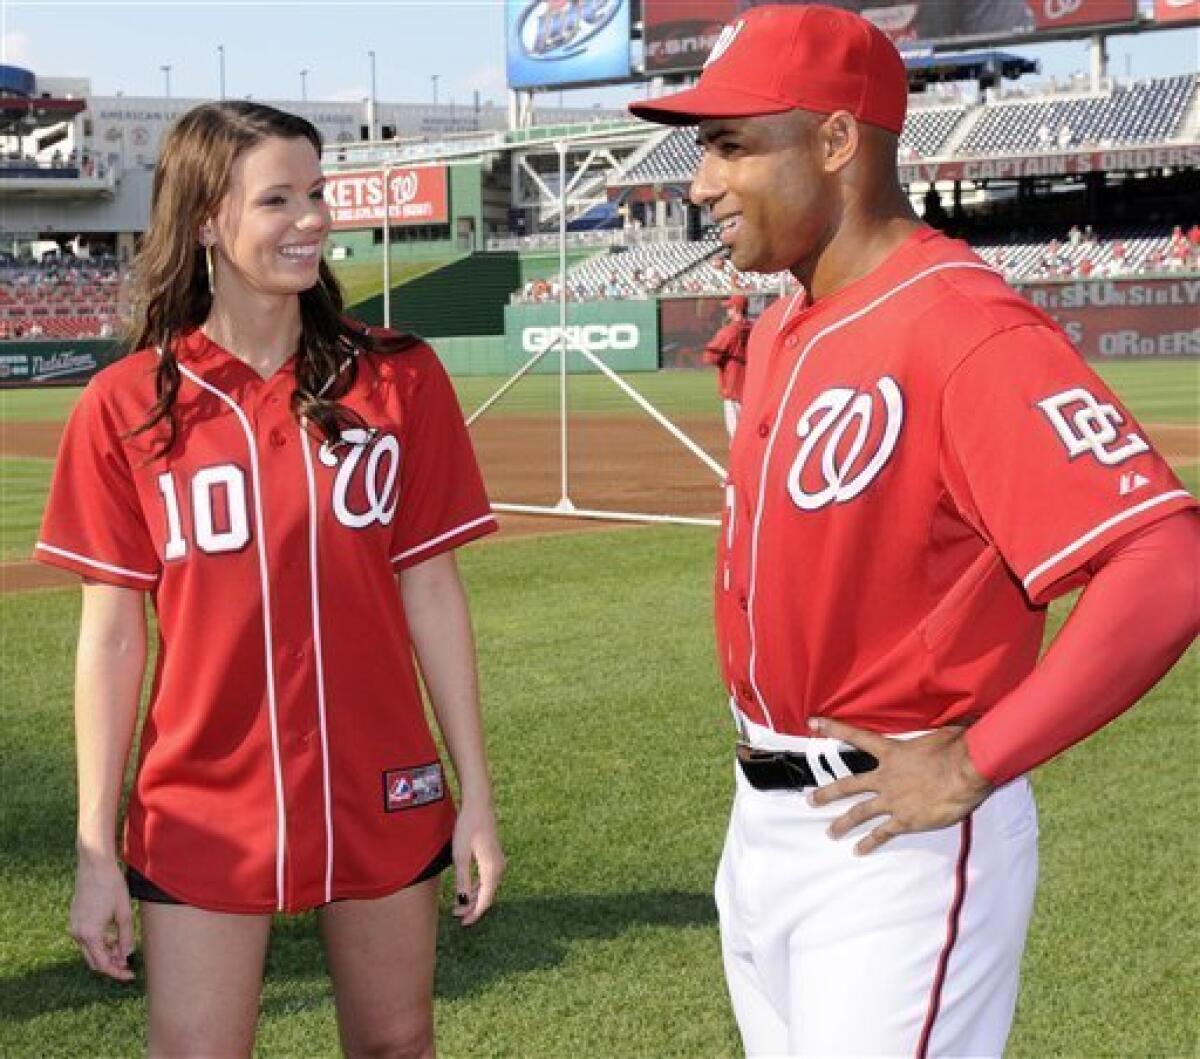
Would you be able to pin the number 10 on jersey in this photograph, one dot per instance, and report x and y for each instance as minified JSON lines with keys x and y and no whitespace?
{"x":209,"y":486}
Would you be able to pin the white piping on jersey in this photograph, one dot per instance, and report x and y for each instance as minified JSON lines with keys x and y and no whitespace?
{"x":443,"y":536}
{"x":94,"y":562}
{"x":265,"y":588}
{"x":1092,"y":534}
{"x":318,"y":656}
{"x":766,"y":463}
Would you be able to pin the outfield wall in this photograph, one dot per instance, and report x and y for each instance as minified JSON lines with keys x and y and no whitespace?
{"x":1107,"y":319}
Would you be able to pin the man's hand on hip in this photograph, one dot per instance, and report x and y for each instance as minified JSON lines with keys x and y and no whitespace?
{"x":921,"y":784}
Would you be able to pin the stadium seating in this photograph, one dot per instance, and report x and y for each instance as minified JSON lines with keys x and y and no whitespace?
{"x":59,"y":299}
{"x":1142,"y":112}
{"x":702,"y":268}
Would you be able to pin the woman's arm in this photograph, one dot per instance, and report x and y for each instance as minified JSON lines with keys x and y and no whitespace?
{"x":109,"y":665}
{"x":440,"y":625}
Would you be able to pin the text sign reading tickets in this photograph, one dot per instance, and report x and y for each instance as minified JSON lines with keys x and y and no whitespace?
{"x":415,"y":196}
{"x":679,"y":34}
{"x":557,"y":42}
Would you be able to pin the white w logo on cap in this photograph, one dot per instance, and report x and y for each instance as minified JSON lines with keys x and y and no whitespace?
{"x":727,"y":37}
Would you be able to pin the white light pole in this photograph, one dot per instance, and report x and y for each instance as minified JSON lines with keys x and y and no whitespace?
{"x":221,"y":67}
{"x":387,"y":245}
{"x":374,"y":97}
{"x":435,"y":78}
{"x":166,"y":69}
{"x":304,"y":86}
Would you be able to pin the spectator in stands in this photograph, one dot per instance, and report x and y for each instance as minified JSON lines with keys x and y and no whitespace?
{"x":726,"y":351}
{"x":1045,"y":137}
{"x":1194,"y":235}
{"x":1075,"y":235}
{"x":612,"y":286}
{"x":1065,"y":137}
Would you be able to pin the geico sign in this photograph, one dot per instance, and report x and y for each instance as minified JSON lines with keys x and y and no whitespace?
{"x":592,"y":337}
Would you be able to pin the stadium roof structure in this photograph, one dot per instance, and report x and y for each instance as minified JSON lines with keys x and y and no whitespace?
{"x":22,"y":115}
{"x":984,"y":67}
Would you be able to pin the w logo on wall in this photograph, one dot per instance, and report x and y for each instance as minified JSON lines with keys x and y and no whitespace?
{"x":847,"y":437}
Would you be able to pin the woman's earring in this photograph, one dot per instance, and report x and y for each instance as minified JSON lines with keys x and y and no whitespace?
{"x":210,"y":267}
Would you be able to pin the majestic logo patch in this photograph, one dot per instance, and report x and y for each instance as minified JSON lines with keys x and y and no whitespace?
{"x":360,"y":499}
{"x":1085,"y":424}
{"x":412,"y":787}
{"x":844,"y":444}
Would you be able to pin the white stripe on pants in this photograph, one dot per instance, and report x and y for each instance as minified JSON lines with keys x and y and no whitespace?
{"x":827,"y":953}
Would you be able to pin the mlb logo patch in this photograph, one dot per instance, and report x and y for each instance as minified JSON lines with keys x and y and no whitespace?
{"x":409,"y":788}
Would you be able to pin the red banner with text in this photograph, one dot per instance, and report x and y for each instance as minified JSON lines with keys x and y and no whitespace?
{"x":414,"y":196}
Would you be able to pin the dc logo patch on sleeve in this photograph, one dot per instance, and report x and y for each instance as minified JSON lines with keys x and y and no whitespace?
{"x":410,"y":788}
{"x":1085,"y":424}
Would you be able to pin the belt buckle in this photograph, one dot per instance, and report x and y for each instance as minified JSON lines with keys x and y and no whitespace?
{"x":756,"y":755}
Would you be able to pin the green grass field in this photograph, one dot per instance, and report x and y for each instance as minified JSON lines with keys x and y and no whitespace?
{"x":610,"y":747}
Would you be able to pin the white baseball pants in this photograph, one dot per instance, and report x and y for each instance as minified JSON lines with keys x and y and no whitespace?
{"x":733,"y":409}
{"x":913,"y":950}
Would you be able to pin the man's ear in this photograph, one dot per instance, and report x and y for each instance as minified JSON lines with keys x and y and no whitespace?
{"x":839,"y":136}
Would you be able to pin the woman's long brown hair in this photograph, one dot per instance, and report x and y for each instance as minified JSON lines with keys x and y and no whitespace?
{"x":169,"y":291}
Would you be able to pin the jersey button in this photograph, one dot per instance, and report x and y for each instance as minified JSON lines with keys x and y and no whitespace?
{"x":743,"y":602}
{"x":764,"y":429}
{"x":791,"y":341}
{"x":277,"y":438}
{"x":747,"y":692}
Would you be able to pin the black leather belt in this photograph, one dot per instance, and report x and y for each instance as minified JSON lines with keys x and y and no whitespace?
{"x":778,"y":770}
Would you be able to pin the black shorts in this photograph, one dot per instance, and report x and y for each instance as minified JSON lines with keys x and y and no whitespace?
{"x":144,"y":890}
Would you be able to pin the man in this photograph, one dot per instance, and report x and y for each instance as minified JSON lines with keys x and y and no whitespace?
{"x":923,"y":463}
{"x":726,"y":351}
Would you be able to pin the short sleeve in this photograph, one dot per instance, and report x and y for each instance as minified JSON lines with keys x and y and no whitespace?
{"x":1044,"y":460}
{"x":443,"y":503}
{"x":93,"y":524}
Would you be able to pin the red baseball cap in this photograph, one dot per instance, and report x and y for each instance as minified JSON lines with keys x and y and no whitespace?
{"x":783,"y":57}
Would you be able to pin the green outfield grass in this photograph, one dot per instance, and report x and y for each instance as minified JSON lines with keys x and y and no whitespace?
{"x":1156,"y":391}
{"x":361,"y":280}
{"x":611,"y":756}
{"x":52,"y":404}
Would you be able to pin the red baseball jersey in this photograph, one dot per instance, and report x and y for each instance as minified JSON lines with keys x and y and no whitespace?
{"x":924,"y":461}
{"x":285,"y":760}
{"x":727,"y":350}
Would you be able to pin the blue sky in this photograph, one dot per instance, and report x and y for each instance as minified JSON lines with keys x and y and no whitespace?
{"x":121,"y":45}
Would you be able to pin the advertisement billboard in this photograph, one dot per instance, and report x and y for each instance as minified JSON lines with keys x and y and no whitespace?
{"x":563,"y":42}
{"x":623,"y":334}
{"x":680,"y":33}
{"x":1177,"y":10}
{"x":415,"y":196}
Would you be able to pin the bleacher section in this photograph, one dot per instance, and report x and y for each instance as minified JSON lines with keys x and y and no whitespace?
{"x":1143,"y":112}
{"x":927,"y":130}
{"x":1129,"y":252}
{"x":73,"y":299}
{"x":702,"y":268}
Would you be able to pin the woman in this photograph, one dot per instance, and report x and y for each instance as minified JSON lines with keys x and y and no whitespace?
{"x":268,"y":471}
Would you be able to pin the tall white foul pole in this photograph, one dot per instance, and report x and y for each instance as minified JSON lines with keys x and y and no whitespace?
{"x":387,"y":245}
{"x":564,"y":502}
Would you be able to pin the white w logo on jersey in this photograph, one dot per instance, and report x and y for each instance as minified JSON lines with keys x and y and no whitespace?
{"x":825,"y":426}
{"x":382,"y":467}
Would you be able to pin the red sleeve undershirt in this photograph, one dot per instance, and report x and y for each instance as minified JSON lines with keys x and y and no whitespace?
{"x":1137,"y":615}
